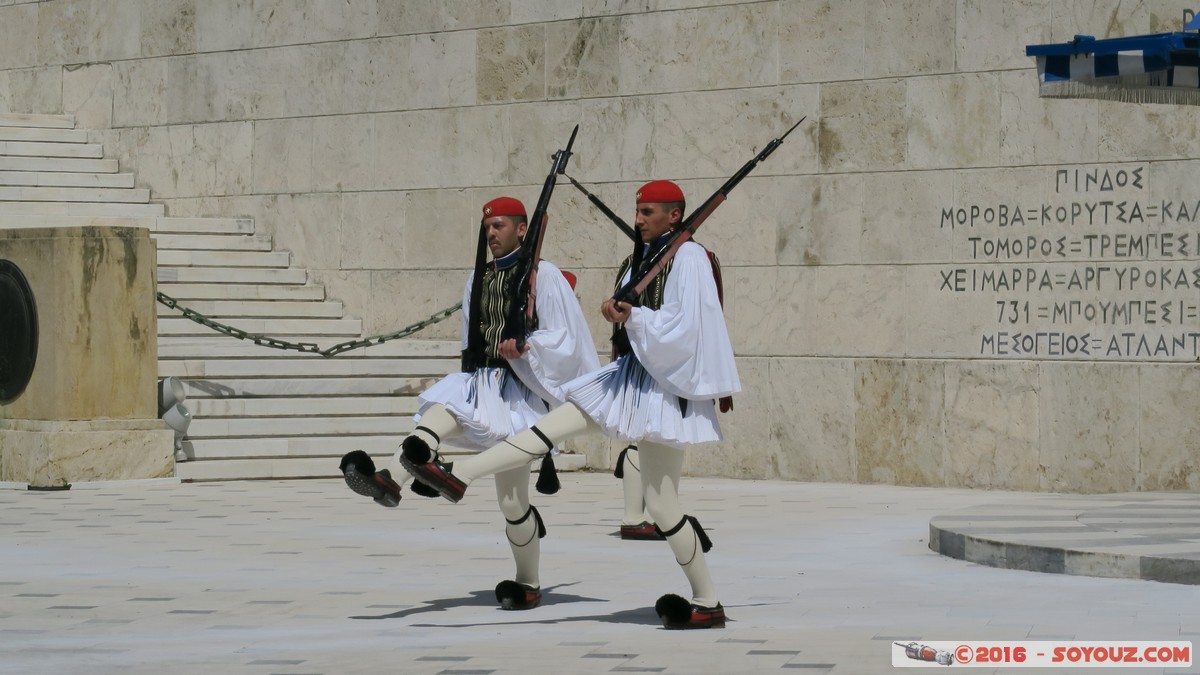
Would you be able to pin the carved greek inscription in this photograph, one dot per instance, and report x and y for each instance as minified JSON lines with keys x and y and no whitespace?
{"x":1098,"y":267}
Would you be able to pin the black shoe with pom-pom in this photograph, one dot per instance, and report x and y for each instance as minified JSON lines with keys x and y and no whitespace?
{"x":359,"y":471}
{"x":514,"y":596}
{"x":679,"y":614}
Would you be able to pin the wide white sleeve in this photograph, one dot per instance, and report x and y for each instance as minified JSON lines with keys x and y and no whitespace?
{"x":561,"y":349}
{"x":684,"y":344}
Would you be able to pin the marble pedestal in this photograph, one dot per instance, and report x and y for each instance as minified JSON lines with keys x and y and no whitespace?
{"x":89,"y":411}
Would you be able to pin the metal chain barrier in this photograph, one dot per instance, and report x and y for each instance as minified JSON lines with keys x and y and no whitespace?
{"x":308,"y":347}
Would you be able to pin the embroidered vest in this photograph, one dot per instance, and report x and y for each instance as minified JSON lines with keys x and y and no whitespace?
{"x":495,"y":299}
{"x":652,"y":296}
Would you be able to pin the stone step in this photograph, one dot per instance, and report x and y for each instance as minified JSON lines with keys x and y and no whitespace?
{"x":155,"y":224}
{"x":45,"y":134}
{"x":306,"y":366}
{"x":259,"y":259}
{"x":227,"y":387}
{"x":211,"y":242}
{"x":67,"y":164}
{"x":258,"y":469}
{"x":221,"y":346}
{"x":321,"y":462}
{"x":276,"y":309}
{"x":382,"y":445}
{"x":277,"y":462}
{"x":295,"y":330}
{"x":28,"y":120}
{"x":74,"y":194}
{"x":186,"y":292}
{"x":66,"y":179}
{"x":186,"y":225}
{"x":82,"y":209}
{"x":295,"y":407}
{"x":39,"y":149}
{"x":232,"y":275}
{"x":291,"y":427}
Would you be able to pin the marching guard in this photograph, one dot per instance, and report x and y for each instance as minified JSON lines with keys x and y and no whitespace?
{"x":504,"y":387}
{"x":675,"y":359}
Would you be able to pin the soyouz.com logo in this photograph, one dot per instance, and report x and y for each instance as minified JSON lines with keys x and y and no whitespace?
{"x":1041,"y":654}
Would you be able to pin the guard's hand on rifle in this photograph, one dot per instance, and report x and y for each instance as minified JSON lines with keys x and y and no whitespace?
{"x":508,"y":349}
{"x":615,"y":312}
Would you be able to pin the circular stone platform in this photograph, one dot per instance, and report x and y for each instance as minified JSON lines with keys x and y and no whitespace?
{"x":1142,"y":535}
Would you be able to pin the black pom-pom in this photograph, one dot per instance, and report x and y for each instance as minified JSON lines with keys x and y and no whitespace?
{"x":619,"y":472}
{"x":416,"y":450}
{"x":509,"y":593}
{"x":673,"y":610}
{"x":361,"y":462}
{"x":547,"y":482}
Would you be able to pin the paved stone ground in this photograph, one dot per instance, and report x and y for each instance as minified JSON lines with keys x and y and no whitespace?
{"x":306,"y":577}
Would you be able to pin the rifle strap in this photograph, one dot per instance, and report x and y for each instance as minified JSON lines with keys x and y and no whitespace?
{"x":716,"y":272}
{"x":725,"y":403}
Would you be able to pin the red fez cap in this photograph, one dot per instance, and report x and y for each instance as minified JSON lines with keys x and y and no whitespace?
{"x":660,"y":191}
{"x":503,"y":206}
{"x":570,"y":278}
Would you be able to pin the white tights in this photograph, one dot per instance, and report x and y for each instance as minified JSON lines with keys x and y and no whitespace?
{"x":661,"y":467}
{"x":512,"y":494}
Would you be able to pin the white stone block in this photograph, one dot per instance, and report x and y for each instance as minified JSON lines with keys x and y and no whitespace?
{"x":341,"y":153}
{"x":853,"y":311}
{"x":812,"y":419}
{"x":659,"y":50}
{"x":821,"y":219}
{"x":140,"y":93}
{"x":168,"y":27}
{"x":511,"y":64}
{"x":823,"y":40}
{"x":582,"y":58}
{"x":1099,"y":18}
{"x":222,"y":25}
{"x":1089,"y":427}
{"x":18,"y":36}
{"x":902,"y":219}
{"x":899,"y":423}
{"x":713,"y":134}
{"x":862,"y":126}
{"x":992,"y":425}
{"x":990,"y":35}
{"x":1170,"y":394}
{"x":953,"y":121}
{"x":909,"y":37}
{"x":88,"y":95}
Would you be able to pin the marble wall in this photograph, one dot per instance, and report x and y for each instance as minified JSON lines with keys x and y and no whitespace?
{"x":880,"y":304}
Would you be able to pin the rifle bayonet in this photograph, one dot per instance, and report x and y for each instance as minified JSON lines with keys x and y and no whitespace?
{"x":521,"y":310}
{"x":639,"y":279}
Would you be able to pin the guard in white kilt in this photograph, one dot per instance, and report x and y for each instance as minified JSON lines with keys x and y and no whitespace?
{"x":499,"y":392}
{"x":660,"y":393}
{"x":636,"y":523}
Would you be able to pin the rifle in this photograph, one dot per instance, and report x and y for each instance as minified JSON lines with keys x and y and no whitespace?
{"x":641,"y":278}
{"x":629,"y":231}
{"x":520,"y":312}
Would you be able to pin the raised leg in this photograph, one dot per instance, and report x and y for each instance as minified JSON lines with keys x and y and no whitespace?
{"x":561,"y":423}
